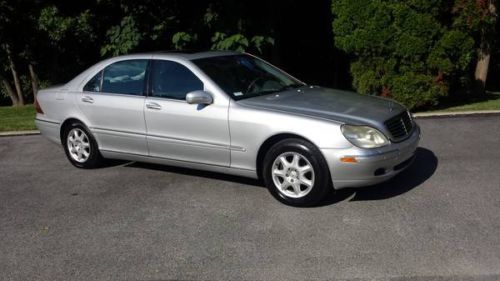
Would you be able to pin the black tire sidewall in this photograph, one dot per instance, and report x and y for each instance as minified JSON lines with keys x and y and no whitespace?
{"x":95,"y":157}
{"x":321,"y":173}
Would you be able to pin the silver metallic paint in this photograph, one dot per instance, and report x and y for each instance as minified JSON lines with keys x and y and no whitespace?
{"x":226,"y":135}
{"x":199,"y":97}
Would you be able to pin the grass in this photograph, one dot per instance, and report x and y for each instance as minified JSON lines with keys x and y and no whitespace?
{"x":490,"y":101}
{"x":17,"y":118}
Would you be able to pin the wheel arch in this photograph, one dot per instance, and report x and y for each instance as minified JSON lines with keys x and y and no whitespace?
{"x":268,"y":143}
{"x":66,"y":123}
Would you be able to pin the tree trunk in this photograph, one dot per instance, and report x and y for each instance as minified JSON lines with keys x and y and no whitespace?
{"x":481,"y":74}
{"x":34,"y":80}
{"x":15,"y":76}
{"x":10,"y":91}
{"x":483,"y":60}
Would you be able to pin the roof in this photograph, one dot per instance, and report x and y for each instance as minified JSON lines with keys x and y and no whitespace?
{"x":187,"y":55}
{"x":201,"y":55}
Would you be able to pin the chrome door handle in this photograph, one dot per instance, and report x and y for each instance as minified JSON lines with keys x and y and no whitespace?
{"x":87,"y":99}
{"x":153,"y":105}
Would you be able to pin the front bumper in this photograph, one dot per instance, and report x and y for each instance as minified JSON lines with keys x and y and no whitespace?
{"x":373,"y":165}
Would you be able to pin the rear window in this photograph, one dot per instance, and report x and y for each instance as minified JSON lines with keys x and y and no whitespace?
{"x":94,"y":85}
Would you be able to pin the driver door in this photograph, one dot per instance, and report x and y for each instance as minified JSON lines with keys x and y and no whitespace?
{"x":180,"y":131}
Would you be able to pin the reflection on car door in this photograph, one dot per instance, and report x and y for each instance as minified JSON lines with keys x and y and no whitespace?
{"x":113,"y":103}
{"x":178,"y":130}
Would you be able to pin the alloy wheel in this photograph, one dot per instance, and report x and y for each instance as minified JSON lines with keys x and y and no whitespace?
{"x":78,"y":145}
{"x":293,"y":174}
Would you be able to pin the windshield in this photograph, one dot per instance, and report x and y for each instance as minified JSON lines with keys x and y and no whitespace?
{"x":243,"y":76}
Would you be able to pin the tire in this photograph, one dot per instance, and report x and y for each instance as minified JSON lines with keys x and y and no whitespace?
{"x":287,"y":177}
{"x":81,"y":147}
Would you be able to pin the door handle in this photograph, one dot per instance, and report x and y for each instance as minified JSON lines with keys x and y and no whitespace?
{"x":87,"y":99}
{"x":153,"y":105}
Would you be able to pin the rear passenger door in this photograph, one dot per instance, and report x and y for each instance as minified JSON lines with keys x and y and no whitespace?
{"x":113,"y":103}
{"x":181,"y":131}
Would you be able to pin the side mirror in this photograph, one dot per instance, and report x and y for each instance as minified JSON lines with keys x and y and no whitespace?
{"x":199,"y":97}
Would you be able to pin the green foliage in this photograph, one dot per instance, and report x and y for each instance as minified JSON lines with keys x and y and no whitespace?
{"x":452,"y":52}
{"x":59,"y":40}
{"x":210,"y":17}
{"x":182,"y":39}
{"x":122,"y":38}
{"x":259,"y":42}
{"x":476,"y":17}
{"x":58,"y":27}
{"x":237,"y":42}
{"x":416,"y":89}
{"x":134,"y":25}
{"x":223,"y":37}
{"x":402,"y":49}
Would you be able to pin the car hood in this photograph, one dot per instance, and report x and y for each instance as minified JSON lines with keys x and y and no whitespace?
{"x":336,"y":105}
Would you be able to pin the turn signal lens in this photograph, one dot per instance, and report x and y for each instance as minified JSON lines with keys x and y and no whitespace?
{"x":348,"y":159}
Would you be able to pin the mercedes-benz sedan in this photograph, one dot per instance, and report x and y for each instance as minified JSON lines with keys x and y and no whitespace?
{"x":232,"y":113}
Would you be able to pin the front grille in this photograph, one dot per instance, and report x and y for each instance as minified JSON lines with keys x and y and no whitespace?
{"x":399,"y":126}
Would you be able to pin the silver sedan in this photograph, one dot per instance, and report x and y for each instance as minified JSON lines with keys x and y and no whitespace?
{"x":232,"y":113}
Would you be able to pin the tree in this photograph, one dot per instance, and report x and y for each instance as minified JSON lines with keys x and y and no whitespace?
{"x":18,"y":38}
{"x":402,"y":49}
{"x":7,"y":22}
{"x":229,"y":31}
{"x":478,"y":19}
{"x":140,"y":24}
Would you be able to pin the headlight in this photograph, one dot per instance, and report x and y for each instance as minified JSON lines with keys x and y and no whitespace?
{"x":364,"y":136}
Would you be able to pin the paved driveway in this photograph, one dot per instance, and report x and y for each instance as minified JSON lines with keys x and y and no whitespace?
{"x":438,"y":220}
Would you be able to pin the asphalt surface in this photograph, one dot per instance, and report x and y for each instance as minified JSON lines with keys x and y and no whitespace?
{"x":439,"y":220}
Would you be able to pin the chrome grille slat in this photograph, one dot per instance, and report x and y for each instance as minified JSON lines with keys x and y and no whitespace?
{"x":398,"y":130}
{"x":400,"y":126}
{"x":395,"y":126}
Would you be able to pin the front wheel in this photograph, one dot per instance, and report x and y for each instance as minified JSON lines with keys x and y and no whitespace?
{"x":296,"y":173}
{"x":80,"y":147}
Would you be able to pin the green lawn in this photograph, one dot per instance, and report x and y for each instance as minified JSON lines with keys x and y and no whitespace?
{"x":17,"y":118}
{"x":490,"y":101}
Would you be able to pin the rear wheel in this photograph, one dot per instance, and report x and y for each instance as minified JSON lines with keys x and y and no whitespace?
{"x":80,"y":147}
{"x":296,"y":173}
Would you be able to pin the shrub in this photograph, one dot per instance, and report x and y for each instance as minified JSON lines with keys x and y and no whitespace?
{"x":406,"y":50}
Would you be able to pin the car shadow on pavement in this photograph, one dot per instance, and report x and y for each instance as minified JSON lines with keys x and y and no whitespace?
{"x":196,"y":173}
{"x":420,"y":170}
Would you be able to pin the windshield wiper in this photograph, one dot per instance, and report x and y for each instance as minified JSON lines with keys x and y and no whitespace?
{"x":273,"y":91}
{"x":289,"y":87}
{"x":284,"y":88}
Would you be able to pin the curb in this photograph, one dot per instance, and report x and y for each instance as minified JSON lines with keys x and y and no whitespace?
{"x":423,"y":115}
{"x":19,"y":133}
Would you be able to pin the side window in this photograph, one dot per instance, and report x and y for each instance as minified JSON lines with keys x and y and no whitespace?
{"x":125,"y":77}
{"x":173,"y":80}
{"x":94,"y":84}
